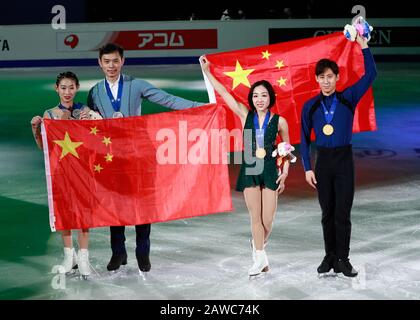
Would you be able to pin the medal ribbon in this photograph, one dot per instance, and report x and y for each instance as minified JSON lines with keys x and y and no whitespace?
{"x":75,"y":106}
{"x":116,"y":103}
{"x":329,"y":114}
{"x":259,"y":133}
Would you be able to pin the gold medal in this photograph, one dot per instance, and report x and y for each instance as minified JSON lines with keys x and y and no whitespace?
{"x":260,"y":153}
{"x":328,"y":129}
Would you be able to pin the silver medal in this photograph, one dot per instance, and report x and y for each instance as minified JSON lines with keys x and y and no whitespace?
{"x":76,"y":114}
{"x":118,"y":115}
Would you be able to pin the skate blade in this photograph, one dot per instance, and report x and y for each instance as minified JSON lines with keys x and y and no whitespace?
{"x":142,"y":275}
{"x":343,"y":276}
{"x":120,"y":269}
{"x":121,"y":273}
{"x":257,"y":275}
{"x":72,"y":272}
{"x":329,"y":274}
{"x":253,"y":276}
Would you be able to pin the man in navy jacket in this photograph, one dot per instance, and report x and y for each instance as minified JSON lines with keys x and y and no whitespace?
{"x":331,"y":114}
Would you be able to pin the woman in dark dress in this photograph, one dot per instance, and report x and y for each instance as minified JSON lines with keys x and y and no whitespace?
{"x":258,"y":178}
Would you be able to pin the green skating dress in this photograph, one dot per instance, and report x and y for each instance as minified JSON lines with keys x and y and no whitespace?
{"x":255,"y":171}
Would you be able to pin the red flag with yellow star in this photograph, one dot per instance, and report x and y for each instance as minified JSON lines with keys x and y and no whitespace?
{"x":136,"y":170}
{"x":290,"y":68}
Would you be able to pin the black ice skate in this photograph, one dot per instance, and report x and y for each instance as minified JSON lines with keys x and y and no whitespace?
{"x":116,"y":261}
{"x":344,"y":266}
{"x":329,"y":262}
{"x":144,"y":263}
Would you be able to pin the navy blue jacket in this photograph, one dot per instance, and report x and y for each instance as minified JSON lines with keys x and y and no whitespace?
{"x":312,"y":115}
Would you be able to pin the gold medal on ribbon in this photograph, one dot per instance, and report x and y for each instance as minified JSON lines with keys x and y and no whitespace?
{"x":328,"y":129}
{"x":260,"y":153}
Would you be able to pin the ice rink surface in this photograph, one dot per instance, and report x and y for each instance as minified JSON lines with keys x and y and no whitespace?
{"x":208,"y":257}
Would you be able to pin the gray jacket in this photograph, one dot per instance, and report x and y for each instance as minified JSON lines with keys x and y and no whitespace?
{"x":133,"y":93}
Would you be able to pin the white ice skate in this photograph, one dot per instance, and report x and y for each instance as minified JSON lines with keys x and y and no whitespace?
{"x":260,"y":263}
{"x":84,"y":266}
{"x":70,"y":260}
{"x":253,"y":252}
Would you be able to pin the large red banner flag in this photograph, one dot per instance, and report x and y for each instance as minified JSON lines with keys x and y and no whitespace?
{"x":290,"y":68}
{"x":136,"y":170}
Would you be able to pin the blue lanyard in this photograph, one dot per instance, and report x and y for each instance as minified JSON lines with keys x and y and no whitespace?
{"x":73,"y":107}
{"x":330,"y":114}
{"x":259,"y":133}
{"x":116,"y":103}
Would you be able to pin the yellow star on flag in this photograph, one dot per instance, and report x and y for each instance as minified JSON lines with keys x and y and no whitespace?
{"x":279,"y":64}
{"x":282,"y":81}
{"x":68,"y":146}
{"x":94,"y":130}
{"x":239,"y":76}
{"x":98,"y":167}
{"x":266,"y":54}
{"x":107,"y":141}
{"x":108,"y":157}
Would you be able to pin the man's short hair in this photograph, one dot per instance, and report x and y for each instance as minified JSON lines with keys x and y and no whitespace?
{"x":324,"y":64}
{"x":111,"y":48}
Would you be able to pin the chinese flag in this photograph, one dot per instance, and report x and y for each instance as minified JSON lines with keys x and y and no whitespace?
{"x":290,"y":68}
{"x":136,"y":170}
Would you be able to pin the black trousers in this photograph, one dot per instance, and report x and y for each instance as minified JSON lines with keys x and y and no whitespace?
{"x":334,"y":172}
{"x":142,"y":240}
